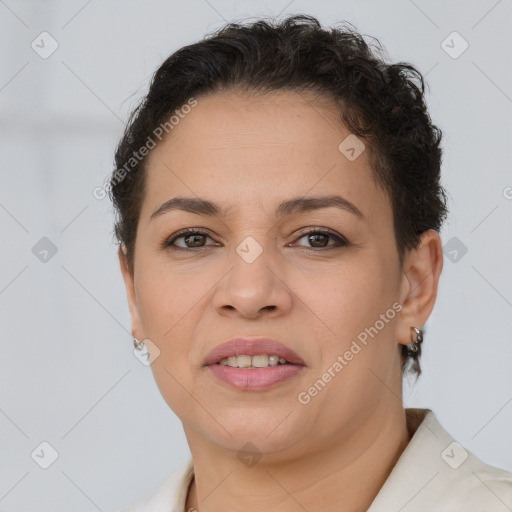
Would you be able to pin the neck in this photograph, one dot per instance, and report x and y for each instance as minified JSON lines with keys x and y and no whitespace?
{"x":348,"y":471}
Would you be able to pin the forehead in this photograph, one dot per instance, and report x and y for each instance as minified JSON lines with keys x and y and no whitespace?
{"x":243,"y":149}
{"x":277,"y":120}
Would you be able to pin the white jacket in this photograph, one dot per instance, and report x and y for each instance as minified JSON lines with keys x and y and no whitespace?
{"x":433,"y":474}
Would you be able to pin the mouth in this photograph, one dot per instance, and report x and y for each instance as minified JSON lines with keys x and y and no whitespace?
{"x":253,"y":353}
{"x":253,"y":364}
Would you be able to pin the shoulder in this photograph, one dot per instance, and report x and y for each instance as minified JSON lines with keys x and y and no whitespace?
{"x":170,"y":496}
{"x":435,"y":472}
{"x":490,"y":483}
{"x":468,"y":480}
{"x":460,"y":480}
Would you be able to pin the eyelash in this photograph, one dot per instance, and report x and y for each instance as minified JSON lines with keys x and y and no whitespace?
{"x":340,"y":241}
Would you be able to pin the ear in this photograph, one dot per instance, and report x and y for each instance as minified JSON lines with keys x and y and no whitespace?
{"x":422,"y":269}
{"x":129,"y":283}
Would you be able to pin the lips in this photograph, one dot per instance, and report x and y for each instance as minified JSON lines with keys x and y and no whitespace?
{"x":252,"y":347}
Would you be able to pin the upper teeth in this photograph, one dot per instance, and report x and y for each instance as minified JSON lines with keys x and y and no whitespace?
{"x":259,"y":361}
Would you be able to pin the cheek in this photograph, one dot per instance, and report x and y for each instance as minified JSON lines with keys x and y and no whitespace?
{"x":163,"y":301}
{"x":346,"y":306}
{"x":343,"y":297}
{"x":170,"y":306}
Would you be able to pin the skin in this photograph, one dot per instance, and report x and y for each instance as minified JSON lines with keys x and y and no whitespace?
{"x":248,"y":155}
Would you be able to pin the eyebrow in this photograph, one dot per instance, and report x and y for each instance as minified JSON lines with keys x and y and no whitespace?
{"x":289,"y":207}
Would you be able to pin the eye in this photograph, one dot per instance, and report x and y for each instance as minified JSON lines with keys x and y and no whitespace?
{"x":192,"y":238}
{"x":319,"y":239}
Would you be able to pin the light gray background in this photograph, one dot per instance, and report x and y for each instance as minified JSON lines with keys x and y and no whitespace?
{"x":67,"y":372}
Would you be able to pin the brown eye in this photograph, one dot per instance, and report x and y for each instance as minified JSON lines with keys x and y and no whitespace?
{"x":319,"y":239}
{"x":192,"y":239}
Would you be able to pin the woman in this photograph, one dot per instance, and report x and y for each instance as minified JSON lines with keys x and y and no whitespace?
{"x":278,"y":206}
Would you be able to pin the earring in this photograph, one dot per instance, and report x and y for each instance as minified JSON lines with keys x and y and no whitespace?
{"x":414,"y":347}
{"x":139,"y":345}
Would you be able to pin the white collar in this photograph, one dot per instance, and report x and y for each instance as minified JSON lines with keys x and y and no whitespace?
{"x":433,"y":473}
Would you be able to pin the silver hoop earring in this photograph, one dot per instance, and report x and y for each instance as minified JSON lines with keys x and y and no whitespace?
{"x":139,"y":345}
{"x":414,"y":347}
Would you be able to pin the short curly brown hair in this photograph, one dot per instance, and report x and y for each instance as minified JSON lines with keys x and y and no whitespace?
{"x":380,"y":102}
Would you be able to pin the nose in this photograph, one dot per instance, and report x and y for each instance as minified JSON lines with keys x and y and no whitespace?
{"x":252,"y":290}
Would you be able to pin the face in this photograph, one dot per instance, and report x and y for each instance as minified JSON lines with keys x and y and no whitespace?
{"x":315,"y":279}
